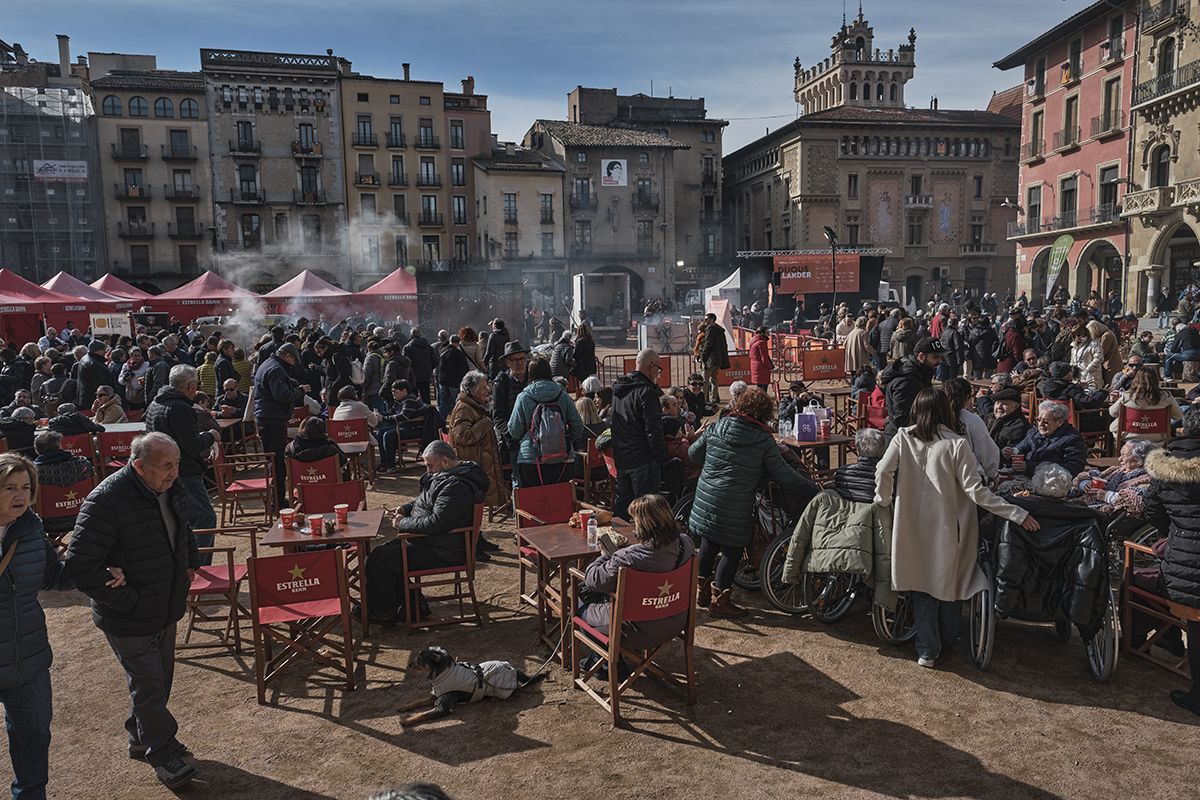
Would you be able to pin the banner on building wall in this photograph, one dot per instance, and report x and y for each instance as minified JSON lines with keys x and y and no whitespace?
{"x":1058,"y":257}
{"x":813,"y":274}
{"x":612,"y":172}
{"x":65,"y":171}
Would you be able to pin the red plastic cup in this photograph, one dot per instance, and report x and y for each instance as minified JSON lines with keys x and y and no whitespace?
{"x":1099,"y":483}
{"x":342,"y":512}
{"x":287,"y":518}
{"x":584,"y":517}
{"x":826,"y":427}
{"x":315,"y":523}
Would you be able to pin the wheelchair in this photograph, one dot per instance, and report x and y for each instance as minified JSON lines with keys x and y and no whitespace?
{"x":1102,"y":651}
{"x":829,"y":597}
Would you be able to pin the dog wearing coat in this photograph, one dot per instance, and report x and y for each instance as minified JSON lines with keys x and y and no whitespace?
{"x":455,"y":682}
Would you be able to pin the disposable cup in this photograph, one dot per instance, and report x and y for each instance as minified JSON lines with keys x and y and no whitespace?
{"x":342,"y":511}
{"x":315,"y":523}
{"x":287,"y":518}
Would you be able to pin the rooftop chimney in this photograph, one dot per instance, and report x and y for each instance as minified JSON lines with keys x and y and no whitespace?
{"x":468,"y":85}
{"x":407,"y":68}
{"x":509,"y":148}
{"x":81,"y":60}
{"x":64,"y":55}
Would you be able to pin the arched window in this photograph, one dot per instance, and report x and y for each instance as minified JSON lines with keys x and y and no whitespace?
{"x":163,"y":107}
{"x":138,"y":107}
{"x":112,"y":106}
{"x":1166,"y":57}
{"x":860,"y":46}
{"x":189,"y":109}
{"x":879,"y":93}
{"x":853,"y":92}
{"x":892,"y":93}
{"x":867,"y":92}
{"x":1160,"y":166}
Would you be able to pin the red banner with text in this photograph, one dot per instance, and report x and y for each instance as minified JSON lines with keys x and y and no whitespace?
{"x":821,"y":365}
{"x":813,"y":274}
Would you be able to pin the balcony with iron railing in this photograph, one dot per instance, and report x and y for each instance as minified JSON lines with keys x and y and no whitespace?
{"x":1112,"y":51}
{"x":130,"y":191}
{"x":1072,"y":71}
{"x":135,"y":230}
{"x":130,"y":152}
{"x":1154,"y":17}
{"x":180,"y":192}
{"x":976,"y":249}
{"x":248,"y":197}
{"x":364,"y":139}
{"x":510,"y":216}
{"x":583,"y":202}
{"x":185,"y":230}
{"x":366,"y":179}
{"x":429,"y":179}
{"x":918,"y":201}
{"x":248,"y":148}
{"x":178,"y":152}
{"x":1110,"y":123}
{"x":313,"y":197}
{"x":708,"y":177}
{"x":1168,"y":82}
{"x":1034,"y":149}
{"x":306,"y":150}
{"x":430,"y":219}
{"x":581,"y":249}
{"x":398,"y":179}
{"x":1067,"y":138}
{"x":396,"y":140}
{"x":1067,"y":220}
{"x":1149,"y":202}
{"x":427,"y":142}
{"x":645,"y":200}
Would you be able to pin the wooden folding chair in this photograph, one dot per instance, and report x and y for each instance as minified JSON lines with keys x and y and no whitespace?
{"x":458,"y":577}
{"x":58,"y":506}
{"x":242,"y":478}
{"x":324,"y":470}
{"x":414,"y":442}
{"x":320,"y":498}
{"x":114,"y":450}
{"x":353,"y":436}
{"x":591,"y":459}
{"x":1162,"y":613}
{"x":219,"y":584}
{"x":1143,"y":422}
{"x":640,"y":597}
{"x":299,"y":414}
{"x":81,"y":444}
{"x":296,"y":601}
{"x":535,"y":506}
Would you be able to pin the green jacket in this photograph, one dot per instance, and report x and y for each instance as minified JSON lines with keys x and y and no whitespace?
{"x":737,"y":456}
{"x":838,"y":535}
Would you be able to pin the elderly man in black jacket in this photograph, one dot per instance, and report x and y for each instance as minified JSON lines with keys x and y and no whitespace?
{"x":173,"y":412}
{"x":449,"y":491}
{"x":904,"y":379}
{"x":93,"y":373}
{"x":137,"y":520}
{"x":276,"y":394}
{"x":639,"y":448}
{"x":70,"y":422}
{"x":1053,"y":441}
{"x":422,"y":359}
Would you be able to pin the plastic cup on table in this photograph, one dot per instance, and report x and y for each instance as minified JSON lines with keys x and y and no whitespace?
{"x":287,"y":518}
{"x":342,"y":512}
{"x":1099,"y":484}
{"x":315,"y":522}
{"x":826,"y":428}
{"x":584,"y":516}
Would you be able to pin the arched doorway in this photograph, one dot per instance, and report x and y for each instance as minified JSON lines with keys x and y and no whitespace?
{"x":1179,"y":251}
{"x":975,"y":282}
{"x":1099,"y":268}
{"x":912,"y":290}
{"x":1040,"y":276}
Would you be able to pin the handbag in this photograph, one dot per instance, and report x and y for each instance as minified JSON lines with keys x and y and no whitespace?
{"x":8,"y":557}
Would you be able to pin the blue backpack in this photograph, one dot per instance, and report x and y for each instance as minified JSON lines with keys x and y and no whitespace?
{"x":548,"y":433}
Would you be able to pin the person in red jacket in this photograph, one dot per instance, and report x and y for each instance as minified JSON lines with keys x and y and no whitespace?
{"x":760,"y":359}
{"x":1013,"y":335}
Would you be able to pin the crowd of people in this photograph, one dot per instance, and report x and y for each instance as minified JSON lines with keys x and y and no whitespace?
{"x":490,"y":414}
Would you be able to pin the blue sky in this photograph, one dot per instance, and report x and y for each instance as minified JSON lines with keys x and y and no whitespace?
{"x":526,"y":56}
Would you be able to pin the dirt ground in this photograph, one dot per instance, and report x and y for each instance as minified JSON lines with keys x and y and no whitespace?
{"x":787,"y":706}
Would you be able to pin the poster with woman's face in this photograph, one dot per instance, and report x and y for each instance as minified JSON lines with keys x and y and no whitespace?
{"x":612,"y":172}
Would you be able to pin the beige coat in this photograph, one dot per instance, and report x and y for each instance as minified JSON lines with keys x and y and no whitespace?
{"x":858,"y":350}
{"x":110,"y":413}
{"x":935,"y":529}
{"x":1110,"y":346}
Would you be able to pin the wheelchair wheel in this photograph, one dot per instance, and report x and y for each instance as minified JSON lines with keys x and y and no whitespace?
{"x":747,"y":576}
{"x":787,"y":597}
{"x":829,"y":595}
{"x":1104,"y":649}
{"x":894,"y":627}
{"x":983,"y":621}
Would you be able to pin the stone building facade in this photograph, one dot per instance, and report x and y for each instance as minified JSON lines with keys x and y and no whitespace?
{"x":621,"y":196}
{"x":927,"y":185}
{"x":153,"y":132}
{"x":697,"y":170}
{"x":278,"y":175}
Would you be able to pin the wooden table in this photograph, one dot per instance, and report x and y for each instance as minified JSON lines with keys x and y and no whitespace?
{"x":559,"y":547}
{"x":354,"y":452}
{"x":806,"y":449}
{"x":843,"y":414}
{"x":227,"y":422}
{"x":361,"y":528}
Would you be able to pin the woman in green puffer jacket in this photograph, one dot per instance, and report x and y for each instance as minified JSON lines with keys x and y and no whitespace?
{"x":738,"y":454}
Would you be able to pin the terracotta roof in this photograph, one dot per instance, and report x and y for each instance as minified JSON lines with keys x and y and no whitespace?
{"x":573,"y":134}
{"x":911,"y":116}
{"x":164,"y":80}
{"x":521,"y":160}
{"x":1007,"y":103}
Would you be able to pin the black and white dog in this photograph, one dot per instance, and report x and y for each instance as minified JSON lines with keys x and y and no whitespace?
{"x":457,"y":682}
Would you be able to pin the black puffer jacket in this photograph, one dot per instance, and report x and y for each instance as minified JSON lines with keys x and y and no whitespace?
{"x":276,"y":393}
{"x":637,"y":432}
{"x":902,"y":381}
{"x":505,"y":392}
{"x":337,"y":370}
{"x":17,"y":434}
{"x":174,"y":414}
{"x":24,"y":648}
{"x":73,"y":424}
{"x":120,"y":525}
{"x":447,"y":501}
{"x":421,"y":354}
{"x":93,"y":373}
{"x":981,"y":344}
{"x":1052,"y":389}
{"x":1173,"y":506}
{"x":493,"y":353}
{"x":452,"y":366}
{"x":396,"y":368}
{"x":1059,"y":572}
{"x":856,"y":482}
{"x":1064,"y":447}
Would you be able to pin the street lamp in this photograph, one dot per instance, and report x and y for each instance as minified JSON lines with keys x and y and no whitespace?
{"x":831,"y":236}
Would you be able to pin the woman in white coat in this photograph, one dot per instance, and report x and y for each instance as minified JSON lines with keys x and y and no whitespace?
{"x":961,"y":394}
{"x":935,"y":528}
{"x":1087,"y":356}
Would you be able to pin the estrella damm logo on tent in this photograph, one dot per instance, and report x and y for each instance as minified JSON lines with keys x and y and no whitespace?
{"x":298,"y":583}
{"x":665,"y":597}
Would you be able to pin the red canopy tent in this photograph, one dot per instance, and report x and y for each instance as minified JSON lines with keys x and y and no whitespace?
{"x":310,"y":294}
{"x":208,"y":295}
{"x":395,"y":295}
{"x":111,"y":284}
{"x":69,"y":285}
{"x":33,"y":300}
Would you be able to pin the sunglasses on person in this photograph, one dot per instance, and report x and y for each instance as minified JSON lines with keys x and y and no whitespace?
{"x":695,"y":383}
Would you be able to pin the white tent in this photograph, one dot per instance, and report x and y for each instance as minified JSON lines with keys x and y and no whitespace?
{"x":720,"y":299}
